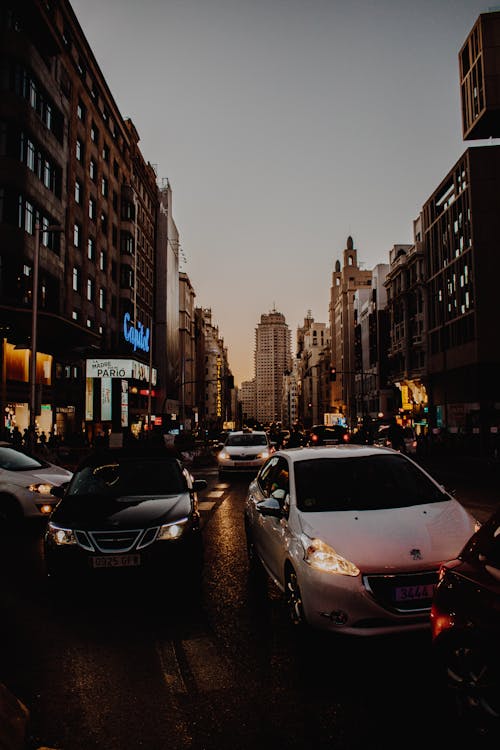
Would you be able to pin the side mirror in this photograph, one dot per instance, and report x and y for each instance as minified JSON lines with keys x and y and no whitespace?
{"x":199,"y":485}
{"x":270,"y":507}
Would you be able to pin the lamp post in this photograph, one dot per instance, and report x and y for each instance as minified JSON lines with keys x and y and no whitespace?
{"x":34,"y":327}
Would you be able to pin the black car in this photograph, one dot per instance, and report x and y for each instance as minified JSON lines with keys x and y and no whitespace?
{"x":126,"y":510}
{"x":465,"y":622}
{"x":322,"y":434}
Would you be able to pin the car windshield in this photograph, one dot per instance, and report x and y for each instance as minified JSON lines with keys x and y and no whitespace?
{"x":362,"y":483}
{"x":246,"y":440}
{"x":130,"y":477}
{"x":13,"y":460}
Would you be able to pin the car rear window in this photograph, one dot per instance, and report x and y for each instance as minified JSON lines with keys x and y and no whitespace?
{"x":131,"y":477}
{"x":362,"y":483}
{"x":246,"y":440}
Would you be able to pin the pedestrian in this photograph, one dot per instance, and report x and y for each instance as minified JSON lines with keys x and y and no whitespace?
{"x":395,"y":433}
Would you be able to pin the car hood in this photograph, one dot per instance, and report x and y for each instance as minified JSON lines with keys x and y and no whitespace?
{"x":402,"y":538}
{"x":98,"y":511}
{"x":55,"y":475}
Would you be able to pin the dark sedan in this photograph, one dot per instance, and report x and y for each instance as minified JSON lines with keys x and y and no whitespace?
{"x":465,"y":619}
{"x":126,"y":511}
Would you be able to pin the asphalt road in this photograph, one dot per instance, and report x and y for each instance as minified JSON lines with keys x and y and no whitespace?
{"x":122,"y":667}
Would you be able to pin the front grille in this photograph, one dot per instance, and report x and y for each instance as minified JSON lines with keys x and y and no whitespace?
{"x":245,"y":457}
{"x":384,"y":590}
{"x":115,"y":541}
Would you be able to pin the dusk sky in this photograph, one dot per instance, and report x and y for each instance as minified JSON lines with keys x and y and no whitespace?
{"x":284,"y":126}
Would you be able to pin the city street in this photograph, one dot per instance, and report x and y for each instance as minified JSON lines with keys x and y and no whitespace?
{"x":124,"y":666}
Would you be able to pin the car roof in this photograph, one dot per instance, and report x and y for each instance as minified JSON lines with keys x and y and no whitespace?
{"x":334,"y":451}
{"x":142,"y":449}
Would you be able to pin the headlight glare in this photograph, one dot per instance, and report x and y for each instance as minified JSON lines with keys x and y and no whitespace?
{"x":59,"y":535}
{"x":44,"y":488}
{"x":321,"y":556}
{"x":172,"y":530}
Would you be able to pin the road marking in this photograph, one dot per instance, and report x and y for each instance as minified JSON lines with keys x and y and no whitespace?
{"x":205,"y":506}
{"x":170,"y":668}
{"x":215,"y":493}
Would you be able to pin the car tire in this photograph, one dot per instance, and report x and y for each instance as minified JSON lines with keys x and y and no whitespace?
{"x":293,"y":598}
{"x":472,"y":677}
{"x":255,"y":567}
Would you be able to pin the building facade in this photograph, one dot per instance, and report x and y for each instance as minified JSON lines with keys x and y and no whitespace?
{"x":272,"y":360}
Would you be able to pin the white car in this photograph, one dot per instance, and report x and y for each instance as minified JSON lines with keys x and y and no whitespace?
{"x":244,"y":451}
{"x":25,"y":486}
{"x":353,"y":536}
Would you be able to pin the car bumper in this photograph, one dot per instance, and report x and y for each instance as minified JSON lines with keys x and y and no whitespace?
{"x":240,"y":466}
{"x":171,"y":558}
{"x":343,"y":604}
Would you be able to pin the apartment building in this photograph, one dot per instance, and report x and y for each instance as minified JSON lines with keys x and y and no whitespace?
{"x":272,"y":361}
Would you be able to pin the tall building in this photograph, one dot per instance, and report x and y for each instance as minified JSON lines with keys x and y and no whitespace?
{"x":272,"y":361}
{"x":247,"y":400}
{"x":346,"y":279}
{"x":479,"y":62}
{"x":461,"y":227}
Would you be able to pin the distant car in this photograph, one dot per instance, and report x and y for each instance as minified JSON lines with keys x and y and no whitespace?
{"x":353,"y":536}
{"x":465,"y":620}
{"x":328,"y":435}
{"x":26,"y":485}
{"x":382,"y":437}
{"x":244,"y":451}
{"x":127,"y":509}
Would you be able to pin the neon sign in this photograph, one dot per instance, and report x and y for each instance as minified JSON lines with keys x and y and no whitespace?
{"x":138,"y":337}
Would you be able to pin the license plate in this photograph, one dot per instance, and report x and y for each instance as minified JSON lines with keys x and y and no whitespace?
{"x":115,"y":561}
{"x":412,"y":593}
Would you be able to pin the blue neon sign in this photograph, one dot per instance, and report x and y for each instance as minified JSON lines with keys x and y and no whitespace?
{"x":137,"y":336}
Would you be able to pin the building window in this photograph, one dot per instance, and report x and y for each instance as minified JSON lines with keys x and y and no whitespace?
{"x":102,"y":298}
{"x":93,"y":170}
{"x":104,"y":187}
{"x":102,"y":260}
{"x":74,"y":314}
{"x":79,"y":150}
{"x":76,"y":279}
{"x":94,"y":133}
{"x":91,"y":249}
{"x":90,"y":289}
{"x":80,"y":110}
{"x":92,"y":208}
{"x":89,"y":323}
{"x":105,"y":152}
{"x":76,"y":235}
{"x":78,"y":192}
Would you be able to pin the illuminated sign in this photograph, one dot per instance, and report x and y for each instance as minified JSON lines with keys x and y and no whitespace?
{"x":219,"y":388}
{"x":138,"y":337}
{"x":119,"y":368}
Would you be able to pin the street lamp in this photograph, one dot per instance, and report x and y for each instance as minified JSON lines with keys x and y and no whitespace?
{"x":39,"y":228}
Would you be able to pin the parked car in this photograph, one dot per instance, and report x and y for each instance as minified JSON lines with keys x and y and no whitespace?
{"x":26,"y":485}
{"x":321,"y":434}
{"x":382,"y":437}
{"x":353,"y":536}
{"x":244,"y":451}
{"x":465,"y":620}
{"x":133,"y":509}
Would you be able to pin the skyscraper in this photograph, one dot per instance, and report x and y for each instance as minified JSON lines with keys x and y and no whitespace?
{"x":272,"y":359}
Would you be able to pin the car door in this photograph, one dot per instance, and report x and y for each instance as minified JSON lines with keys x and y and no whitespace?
{"x":272,"y":532}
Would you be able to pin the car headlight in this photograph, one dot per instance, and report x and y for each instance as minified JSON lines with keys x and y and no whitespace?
{"x":321,"y":556}
{"x":60,"y":536}
{"x":264,"y":454}
{"x":224,"y":455}
{"x":172,"y":530}
{"x":43,"y":488}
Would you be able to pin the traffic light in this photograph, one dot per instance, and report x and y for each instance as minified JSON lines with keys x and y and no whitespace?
{"x":333,"y":374}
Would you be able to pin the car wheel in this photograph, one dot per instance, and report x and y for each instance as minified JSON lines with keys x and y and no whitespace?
{"x":473,"y":676}
{"x":294,"y":599}
{"x":254,"y":563}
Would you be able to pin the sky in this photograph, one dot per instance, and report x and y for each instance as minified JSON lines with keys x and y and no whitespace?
{"x":283,"y":127}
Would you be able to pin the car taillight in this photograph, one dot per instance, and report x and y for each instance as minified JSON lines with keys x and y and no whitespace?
{"x":346,"y":438}
{"x":314,"y":438}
